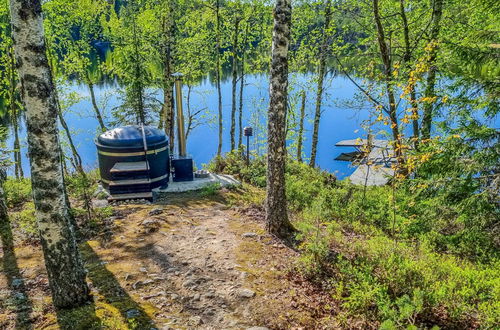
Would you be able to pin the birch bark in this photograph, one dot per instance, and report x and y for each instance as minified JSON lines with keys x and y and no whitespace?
{"x":62,"y":258}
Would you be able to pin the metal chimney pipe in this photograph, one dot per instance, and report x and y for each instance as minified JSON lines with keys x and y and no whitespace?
{"x":181,"y":137}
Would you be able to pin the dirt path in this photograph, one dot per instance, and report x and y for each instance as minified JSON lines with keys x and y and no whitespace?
{"x":187,"y":262}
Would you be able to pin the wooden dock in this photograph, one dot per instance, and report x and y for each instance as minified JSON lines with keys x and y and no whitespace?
{"x":374,"y":167}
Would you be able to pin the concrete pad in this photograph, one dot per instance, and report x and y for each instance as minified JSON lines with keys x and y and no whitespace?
{"x":175,"y":187}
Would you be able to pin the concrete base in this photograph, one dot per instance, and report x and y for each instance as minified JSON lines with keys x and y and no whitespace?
{"x":198,"y":183}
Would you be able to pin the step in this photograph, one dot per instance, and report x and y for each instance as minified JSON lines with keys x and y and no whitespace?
{"x":121,"y":197}
{"x":130,"y":167}
{"x":129,"y":182}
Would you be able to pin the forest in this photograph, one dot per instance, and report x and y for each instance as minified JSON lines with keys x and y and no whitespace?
{"x":287,"y":231}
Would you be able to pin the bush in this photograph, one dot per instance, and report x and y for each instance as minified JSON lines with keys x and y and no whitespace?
{"x":25,"y":220}
{"x":17,"y":191}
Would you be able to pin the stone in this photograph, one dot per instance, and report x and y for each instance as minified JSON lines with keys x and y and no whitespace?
{"x":196,"y":297}
{"x":143,"y":270}
{"x":150,"y":223}
{"x":17,"y":283}
{"x":174,"y":296}
{"x":99,"y":203}
{"x":156,"y":211}
{"x":246,"y":293}
{"x":131,"y":313}
{"x":189,"y":283}
{"x":249,"y":235}
{"x":257,"y":328}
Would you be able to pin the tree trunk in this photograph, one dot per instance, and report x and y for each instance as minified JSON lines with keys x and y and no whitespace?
{"x":437,"y":13}
{"x":407,"y":56}
{"x":277,"y":222}
{"x":94,"y":105}
{"x":190,"y":116}
{"x":242,"y":85}
{"x":387,"y":65}
{"x":217,"y":76}
{"x":167,"y":112}
{"x":321,"y":77}
{"x":4,"y":216}
{"x":235,"y":81}
{"x":62,"y":258}
{"x":301,"y":125}
{"x":15,"y":116}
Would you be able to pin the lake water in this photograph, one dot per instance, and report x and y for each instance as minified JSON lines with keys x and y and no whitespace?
{"x":339,"y":121}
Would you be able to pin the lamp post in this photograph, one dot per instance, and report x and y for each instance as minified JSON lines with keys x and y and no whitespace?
{"x":248,"y":132}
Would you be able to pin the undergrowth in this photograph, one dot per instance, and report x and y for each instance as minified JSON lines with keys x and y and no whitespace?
{"x":414,"y":256}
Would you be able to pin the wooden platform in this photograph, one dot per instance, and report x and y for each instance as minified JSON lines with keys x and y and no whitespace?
{"x":374,"y":168}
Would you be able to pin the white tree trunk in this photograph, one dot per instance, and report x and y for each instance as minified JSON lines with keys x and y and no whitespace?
{"x":276,"y":209}
{"x":62,"y":259}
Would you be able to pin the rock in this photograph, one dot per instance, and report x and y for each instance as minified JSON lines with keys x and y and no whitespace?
{"x":246,"y":293}
{"x":195,"y":320}
{"x":156,"y":211}
{"x":189,"y":283}
{"x":143,"y":270}
{"x":131,"y":313}
{"x":174,"y":296}
{"x":150,"y":223}
{"x":17,"y":283}
{"x":161,"y":293}
{"x":171,"y":270}
{"x":99,"y":203}
{"x":257,"y":328}
{"x":196,"y":297}
{"x":249,"y":235}
{"x":19,"y":296}
{"x":101,"y":193}
{"x":209,"y":295}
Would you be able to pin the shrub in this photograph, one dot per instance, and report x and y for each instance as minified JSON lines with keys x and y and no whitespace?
{"x":17,"y":191}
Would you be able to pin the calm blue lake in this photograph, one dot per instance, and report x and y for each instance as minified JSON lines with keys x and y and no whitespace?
{"x":340,"y":119}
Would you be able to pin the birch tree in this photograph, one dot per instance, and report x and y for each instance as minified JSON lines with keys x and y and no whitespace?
{"x":430,"y":94}
{"x":62,"y":258}
{"x":277,"y":222}
{"x":323,"y":53}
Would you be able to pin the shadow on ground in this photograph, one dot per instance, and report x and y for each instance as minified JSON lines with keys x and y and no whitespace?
{"x":112,"y":307}
{"x":19,"y":300}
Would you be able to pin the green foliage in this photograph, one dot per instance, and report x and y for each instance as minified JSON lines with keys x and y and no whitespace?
{"x":17,"y":191}
{"x":25,"y":220}
{"x":234,"y":163}
{"x":210,"y":190}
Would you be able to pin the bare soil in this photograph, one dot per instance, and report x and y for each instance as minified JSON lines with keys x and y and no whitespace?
{"x":185,"y":262}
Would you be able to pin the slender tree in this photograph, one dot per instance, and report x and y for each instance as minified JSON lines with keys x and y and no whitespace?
{"x":385,"y":54}
{"x":407,"y":57}
{"x":236,"y":31}
{"x":430,"y":94}
{"x":277,"y":222}
{"x":62,"y":258}
{"x":167,"y":117}
{"x":323,"y":52}
{"x":218,"y":73}
{"x":301,"y":125}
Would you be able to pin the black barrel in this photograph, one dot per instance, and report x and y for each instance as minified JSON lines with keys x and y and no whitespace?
{"x":125,"y":145}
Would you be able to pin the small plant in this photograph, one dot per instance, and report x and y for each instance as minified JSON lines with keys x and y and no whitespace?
{"x":17,"y":191}
{"x":210,"y":190}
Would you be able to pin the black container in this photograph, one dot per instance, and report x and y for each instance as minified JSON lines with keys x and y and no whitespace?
{"x":124,"y":145}
{"x":183,"y":169}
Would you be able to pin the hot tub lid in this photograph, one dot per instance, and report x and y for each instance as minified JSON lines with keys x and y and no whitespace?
{"x":131,"y":136}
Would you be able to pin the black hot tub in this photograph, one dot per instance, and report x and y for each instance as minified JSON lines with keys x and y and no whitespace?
{"x":125,"y":145}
